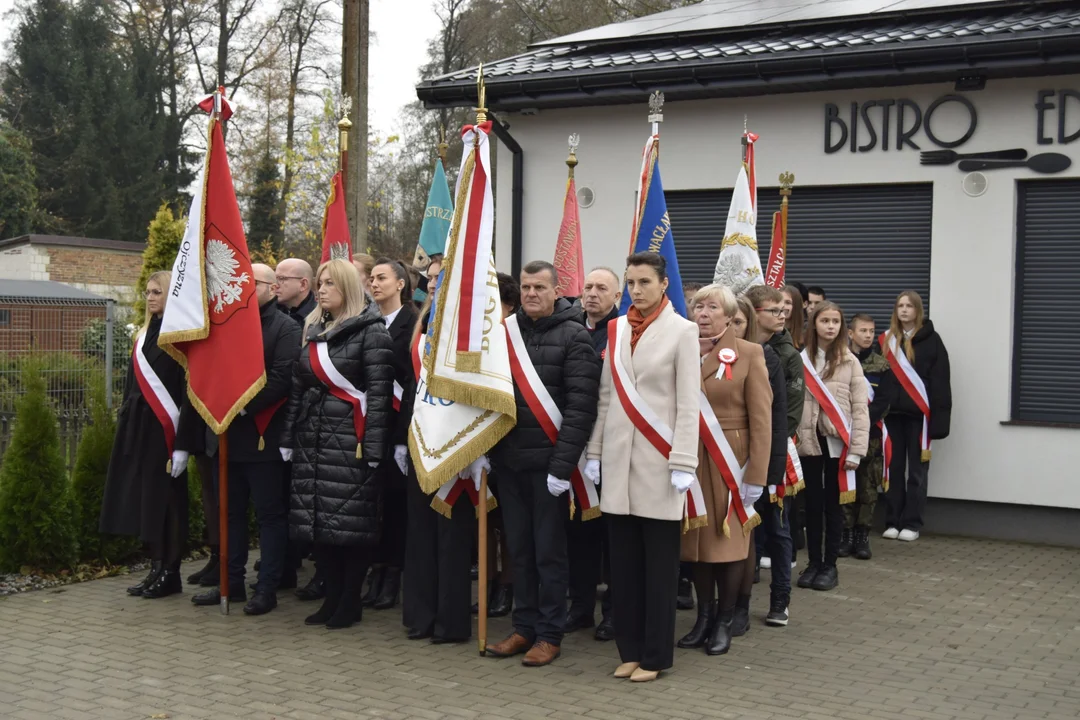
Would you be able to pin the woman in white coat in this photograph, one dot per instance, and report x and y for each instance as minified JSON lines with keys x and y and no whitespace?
{"x":646,"y":441}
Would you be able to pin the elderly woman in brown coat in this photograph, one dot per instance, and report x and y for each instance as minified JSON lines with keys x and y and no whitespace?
{"x":733,"y":460}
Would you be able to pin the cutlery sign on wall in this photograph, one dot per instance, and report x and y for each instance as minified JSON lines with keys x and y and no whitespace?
{"x":1045,"y":163}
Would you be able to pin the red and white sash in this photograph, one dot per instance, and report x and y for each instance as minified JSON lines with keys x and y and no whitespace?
{"x":262,"y":420}
{"x":913,"y":385}
{"x":832,"y":411}
{"x":157,"y":397}
{"x":399,"y":392}
{"x":886,"y":441}
{"x":547,"y":413}
{"x":340,"y":387}
{"x":648,"y":423}
{"x":793,"y":475}
{"x":719,"y":449}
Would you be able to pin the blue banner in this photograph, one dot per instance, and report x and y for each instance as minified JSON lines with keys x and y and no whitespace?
{"x":653,"y":232}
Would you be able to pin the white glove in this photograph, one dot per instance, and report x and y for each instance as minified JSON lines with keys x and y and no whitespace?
{"x":286,"y":454}
{"x":750,"y":494}
{"x":179,"y":462}
{"x":592,"y":471}
{"x":476,"y":470}
{"x":682,"y":481}
{"x":400,"y":454}
{"x":556,"y":486}
{"x":243,"y":412}
{"x":373,"y":464}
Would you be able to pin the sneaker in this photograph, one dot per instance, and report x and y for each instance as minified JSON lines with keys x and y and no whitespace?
{"x":806,"y":579}
{"x":909,"y":535}
{"x":890,"y":534}
{"x":778,"y":612}
{"x":766,"y":562}
{"x":826,"y":579}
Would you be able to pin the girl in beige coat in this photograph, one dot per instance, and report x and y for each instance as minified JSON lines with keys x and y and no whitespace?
{"x":819,"y":444}
{"x":644,"y":492}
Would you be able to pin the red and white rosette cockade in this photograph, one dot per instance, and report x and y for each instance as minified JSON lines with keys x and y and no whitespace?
{"x":547,"y":414}
{"x":340,"y":387}
{"x":723,"y":456}
{"x":911,"y":382}
{"x":727,"y":358}
{"x":832,"y":411}
{"x":649,"y":424}
{"x":157,"y":397}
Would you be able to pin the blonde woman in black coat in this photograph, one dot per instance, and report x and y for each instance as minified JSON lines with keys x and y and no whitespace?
{"x":338,"y":429}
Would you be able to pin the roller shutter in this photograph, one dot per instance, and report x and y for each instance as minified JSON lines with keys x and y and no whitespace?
{"x":1046,"y":337}
{"x":863,"y":244}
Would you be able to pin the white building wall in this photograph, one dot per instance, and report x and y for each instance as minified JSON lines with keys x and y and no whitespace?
{"x":24,"y":263}
{"x":973,"y":245}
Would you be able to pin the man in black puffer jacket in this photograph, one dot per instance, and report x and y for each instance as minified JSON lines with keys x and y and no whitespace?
{"x":534,"y":474}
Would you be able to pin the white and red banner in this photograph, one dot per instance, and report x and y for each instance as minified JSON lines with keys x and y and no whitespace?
{"x":211,"y":323}
{"x":447,"y":496}
{"x":464,"y":400}
{"x":548,"y":415}
{"x":831,"y":408}
{"x":648,"y":423}
{"x":723,"y":456}
{"x":911,"y":382}
{"x":739,"y":266}
{"x":157,"y":396}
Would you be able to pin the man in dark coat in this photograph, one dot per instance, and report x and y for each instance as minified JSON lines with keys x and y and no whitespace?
{"x":256,"y":470}
{"x":587,"y":541}
{"x":534,"y":474}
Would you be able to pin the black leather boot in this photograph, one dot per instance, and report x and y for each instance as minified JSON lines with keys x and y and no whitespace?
{"x":685,"y":600}
{"x":314,"y":590}
{"x":349,"y":609}
{"x":862,"y":544}
{"x":847,"y":540}
{"x":502,"y":601}
{"x":167,"y":583}
{"x":137,"y":589}
{"x":211,"y":567}
{"x":375,"y":580}
{"x":720,"y":637}
{"x":391,"y":588}
{"x":698,"y":634}
{"x":332,"y":598}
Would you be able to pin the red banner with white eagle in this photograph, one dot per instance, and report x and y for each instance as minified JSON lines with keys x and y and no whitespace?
{"x":336,"y":242}
{"x":211,"y":323}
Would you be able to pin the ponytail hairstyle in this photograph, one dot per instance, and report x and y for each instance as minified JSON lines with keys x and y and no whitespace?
{"x":400,"y":273}
{"x":896,"y":328}
{"x":797,"y":319}
{"x":836,"y":352}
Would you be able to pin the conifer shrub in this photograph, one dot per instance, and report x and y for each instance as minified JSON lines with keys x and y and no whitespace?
{"x":162,"y":244}
{"x":37,"y":518}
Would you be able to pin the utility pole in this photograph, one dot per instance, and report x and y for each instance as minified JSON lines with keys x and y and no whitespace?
{"x":354,"y":84}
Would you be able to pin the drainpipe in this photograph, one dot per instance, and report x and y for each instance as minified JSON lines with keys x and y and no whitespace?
{"x":517,"y":194}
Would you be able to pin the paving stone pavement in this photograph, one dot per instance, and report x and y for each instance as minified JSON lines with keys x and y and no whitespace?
{"x":940,"y":629}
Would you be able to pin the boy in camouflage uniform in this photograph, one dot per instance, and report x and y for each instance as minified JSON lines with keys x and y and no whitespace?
{"x":869,"y":477}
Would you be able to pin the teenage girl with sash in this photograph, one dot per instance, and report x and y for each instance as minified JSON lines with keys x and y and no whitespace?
{"x":733,"y":460}
{"x":921,"y":412}
{"x":833,"y":437}
{"x":338,"y":429}
{"x":146,"y":487}
{"x":646,"y":442}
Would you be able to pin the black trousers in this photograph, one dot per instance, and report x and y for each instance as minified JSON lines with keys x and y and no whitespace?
{"x":586,"y":545}
{"x":536,"y":534}
{"x":438,"y":550}
{"x":906,"y":499}
{"x":391,"y":550}
{"x":261,"y":484}
{"x":344,"y":568}
{"x":208,"y":472}
{"x":644,"y":586}
{"x":821,"y":474}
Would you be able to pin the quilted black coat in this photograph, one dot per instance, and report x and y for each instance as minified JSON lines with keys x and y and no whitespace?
{"x":932,"y":365}
{"x":564,"y":358}
{"x":336,"y":496}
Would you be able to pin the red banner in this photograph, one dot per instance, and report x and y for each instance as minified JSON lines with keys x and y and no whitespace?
{"x":774,"y":271}
{"x":336,"y":242}
{"x":568,"y":260}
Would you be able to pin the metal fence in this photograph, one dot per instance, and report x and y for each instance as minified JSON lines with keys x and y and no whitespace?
{"x":74,"y":345}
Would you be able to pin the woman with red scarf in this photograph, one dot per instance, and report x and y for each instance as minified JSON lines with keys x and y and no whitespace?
{"x":645,"y":440}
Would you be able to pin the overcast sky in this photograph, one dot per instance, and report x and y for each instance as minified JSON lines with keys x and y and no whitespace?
{"x":401,"y":31}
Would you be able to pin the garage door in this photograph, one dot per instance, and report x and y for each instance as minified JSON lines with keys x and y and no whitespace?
{"x":1046,"y":337}
{"x":863,"y":244}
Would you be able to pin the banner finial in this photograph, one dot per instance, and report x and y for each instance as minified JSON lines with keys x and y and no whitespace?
{"x":481,"y":96}
{"x":571,"y":162}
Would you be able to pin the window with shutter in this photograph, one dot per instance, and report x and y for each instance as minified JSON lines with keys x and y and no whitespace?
{"x":1046,"y":335}
{"x":864,"y":244}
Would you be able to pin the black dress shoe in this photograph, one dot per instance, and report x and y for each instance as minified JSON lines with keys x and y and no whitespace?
{"x":419,"y":634}
{"x":578,"y":622}
{"x":740,"y":623}
{"x":208,"y":598}
{"x":502,"y":601}
{"x":210,"y":568}
{"x":720,"y":638}
{"x":806,"y":579}
{"x":137,"y":589}
{"x":165,"y":584}
{"x":826,"y":579}
{"x":391,"y":588}
{"x":436,"y":640}
{"x":261,"y":604}
{"x":314,"y":590}
{"x":605,"y":630}
{"x":685,"y":600}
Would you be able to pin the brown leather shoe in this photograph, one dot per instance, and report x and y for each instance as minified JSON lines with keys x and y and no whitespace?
{"x":513,"y":645}
{"x":542,"y":653}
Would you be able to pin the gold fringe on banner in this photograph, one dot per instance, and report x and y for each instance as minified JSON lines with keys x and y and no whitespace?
{"x":442,"y":507}
{"x":461,"y":456}
{"x":492,"y":503}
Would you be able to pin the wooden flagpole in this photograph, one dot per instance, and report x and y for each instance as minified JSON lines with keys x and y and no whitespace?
{"x":482,"y":565}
